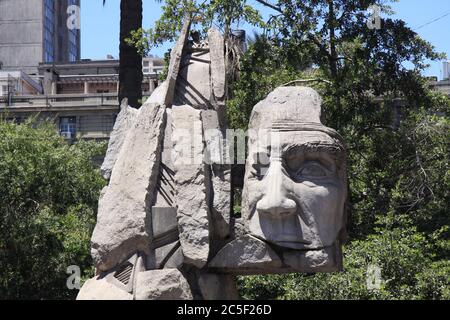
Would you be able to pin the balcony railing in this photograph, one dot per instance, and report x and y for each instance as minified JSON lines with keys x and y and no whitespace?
{"x":59,"y":101}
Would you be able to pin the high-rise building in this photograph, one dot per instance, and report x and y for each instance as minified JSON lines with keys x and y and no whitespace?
{"x":36,"y":31}
{"x":446,"y":70}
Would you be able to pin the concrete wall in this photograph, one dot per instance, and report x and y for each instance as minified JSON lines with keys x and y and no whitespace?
{"x":84,"y":67}
{"x":70,"y":88}
{"x":94,"y":114}
{"x":21,"y":34}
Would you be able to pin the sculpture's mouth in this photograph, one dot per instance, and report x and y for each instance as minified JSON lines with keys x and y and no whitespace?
{"x":291,"y":241}
{"x":287,"y":238}
{"x":299,"y":242}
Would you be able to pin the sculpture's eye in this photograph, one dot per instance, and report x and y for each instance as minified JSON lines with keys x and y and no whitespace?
{"x":312,"y":170}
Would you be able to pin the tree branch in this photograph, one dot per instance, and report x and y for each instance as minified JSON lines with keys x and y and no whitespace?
{"x":321,"y":47}
{"x":265,"y":3}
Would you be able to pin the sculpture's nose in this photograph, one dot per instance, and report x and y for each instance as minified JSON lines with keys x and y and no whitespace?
{"x":275,"y":200}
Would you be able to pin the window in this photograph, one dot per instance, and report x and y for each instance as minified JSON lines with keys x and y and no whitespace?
{"x":146,"y":63}
{"x":49,"y":31}
{"x":73,"y":45}
{"x":3,"y":90}
{"x":72,"y":57}
{"x":68,"y":127}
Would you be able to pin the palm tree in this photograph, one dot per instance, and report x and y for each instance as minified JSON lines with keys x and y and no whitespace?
{"x":130,"y":66}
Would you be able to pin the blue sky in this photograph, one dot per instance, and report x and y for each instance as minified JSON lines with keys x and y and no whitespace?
{"x":100,"y":26}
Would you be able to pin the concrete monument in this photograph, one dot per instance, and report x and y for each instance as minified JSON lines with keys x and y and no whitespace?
{"x":165,"y":228}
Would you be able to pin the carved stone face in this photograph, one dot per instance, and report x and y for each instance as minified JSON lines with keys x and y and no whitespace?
{"x":295,"y":185}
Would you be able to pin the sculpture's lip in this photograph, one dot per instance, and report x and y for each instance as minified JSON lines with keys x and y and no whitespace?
{"x":292,"y":244}
{"x":291,"y":239}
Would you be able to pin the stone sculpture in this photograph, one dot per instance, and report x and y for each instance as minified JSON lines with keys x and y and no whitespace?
{"x":165,"y":228}
{"x":295,"y":189}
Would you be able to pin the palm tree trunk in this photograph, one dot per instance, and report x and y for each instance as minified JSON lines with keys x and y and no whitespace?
{"x":130,"y":68}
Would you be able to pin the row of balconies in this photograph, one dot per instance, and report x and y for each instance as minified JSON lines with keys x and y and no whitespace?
{"x":60,"y":102}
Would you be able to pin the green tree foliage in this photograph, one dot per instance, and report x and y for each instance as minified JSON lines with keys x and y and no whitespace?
{"x":49,"y":194}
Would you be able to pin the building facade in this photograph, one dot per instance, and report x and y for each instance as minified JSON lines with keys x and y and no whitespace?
{"x":94,"y":76}
{"x":17,"y":82}
{"x":35,"y":31}
{"x":80,"y":98}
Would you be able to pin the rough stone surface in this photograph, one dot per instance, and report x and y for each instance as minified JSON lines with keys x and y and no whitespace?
{"x":245,"y":255}
{"x":167,"y":152}
{"x":167,"y":284}
{"x":325,"y":260}
{"x":215,"y":139}
{"x":286,"y":104}
{"x":190,"y":184}
{"x":159,"y":96}
{"x":221,"y":204}
{"x":124,"y":122}
{"x":216,"y":158}
{"x":176,"y":260}
{"x":164,"y":220}
{"x":164,"y":253}
{"x":175,"y":63}
{"x":101,"y":289}
{"x":193,"y":86}
{"x":218,"y":286}
{"x":240,"y":229}
{"x":165,"y":195}
{"x":218,"y":72}
{"x":123,"y":205}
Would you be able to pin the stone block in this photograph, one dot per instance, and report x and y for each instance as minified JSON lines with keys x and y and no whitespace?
{"x":167,"y":284}
{"x":123,"y":205}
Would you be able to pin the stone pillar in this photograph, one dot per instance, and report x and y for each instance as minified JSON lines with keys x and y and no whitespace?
{"x":86,"y":87}
{"x":54,"y":88}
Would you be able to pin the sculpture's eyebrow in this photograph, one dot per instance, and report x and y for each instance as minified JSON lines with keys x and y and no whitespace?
{"x":335,"y":150}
